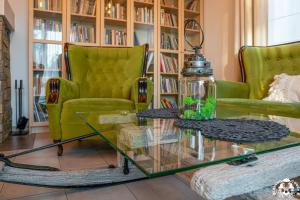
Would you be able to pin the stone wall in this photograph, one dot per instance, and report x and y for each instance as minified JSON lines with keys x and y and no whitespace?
{"x":5,"y":88}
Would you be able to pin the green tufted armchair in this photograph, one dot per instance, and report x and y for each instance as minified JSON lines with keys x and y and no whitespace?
{"x":104,"y":80}
{"x":259,"y":65}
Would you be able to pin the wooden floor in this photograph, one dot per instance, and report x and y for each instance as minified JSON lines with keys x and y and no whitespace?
{"x":84,"y":155}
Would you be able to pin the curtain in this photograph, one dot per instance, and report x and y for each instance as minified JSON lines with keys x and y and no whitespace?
{"x":251,"y":22}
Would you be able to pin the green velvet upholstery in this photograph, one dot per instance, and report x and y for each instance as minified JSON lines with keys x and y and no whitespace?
{"x":260,"y":65}
{"x":103,"y":80}
{"x":263,"y":63}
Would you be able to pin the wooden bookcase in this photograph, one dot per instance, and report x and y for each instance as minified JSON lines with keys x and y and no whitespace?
{"x":134,"y":22}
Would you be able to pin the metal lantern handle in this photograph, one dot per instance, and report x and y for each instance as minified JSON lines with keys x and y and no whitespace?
{"x":186,"y":24}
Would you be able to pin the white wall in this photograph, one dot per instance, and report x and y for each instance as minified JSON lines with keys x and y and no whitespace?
{"x":220,"y":35}
{"x":19,"y":52}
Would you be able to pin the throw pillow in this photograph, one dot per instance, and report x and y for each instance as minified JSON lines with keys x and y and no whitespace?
{"x":285,"y":88}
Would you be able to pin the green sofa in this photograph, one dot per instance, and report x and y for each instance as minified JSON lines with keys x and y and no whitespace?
{"x":104,"y":80}
{"x":259,"y":65}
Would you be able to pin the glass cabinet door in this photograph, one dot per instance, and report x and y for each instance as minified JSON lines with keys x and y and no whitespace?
{"x":46,"y":51}
{"x":169,"y":52}
{"x":83,"y":21}
{"x":116,"y":26}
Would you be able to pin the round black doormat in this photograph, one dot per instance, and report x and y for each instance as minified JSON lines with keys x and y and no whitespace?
{"x":159,"y":113}
{"x":234,"y":130}
{"x":237,"y":130}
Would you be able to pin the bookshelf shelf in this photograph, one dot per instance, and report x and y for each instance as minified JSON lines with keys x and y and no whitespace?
{"x":191,"y":13}
{"x":47,"y":41}
{"x":169,"y":51}
{"x":169,"y":94}
{"x":141,"y":3}
{"x":159,"y":23}
{"x":168,"y":74}
{"x":172,"y":28}
{"x":49,"y":12}
{"x":169,"y":8}
{"x":143,"y":25}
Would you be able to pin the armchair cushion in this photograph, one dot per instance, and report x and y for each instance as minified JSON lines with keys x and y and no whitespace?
{"x":261,"y":106}
{"x":73,"y":126}
{"x":228,"y":89}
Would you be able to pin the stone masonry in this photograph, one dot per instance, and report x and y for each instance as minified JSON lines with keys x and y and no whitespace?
{"x":5,"y":88}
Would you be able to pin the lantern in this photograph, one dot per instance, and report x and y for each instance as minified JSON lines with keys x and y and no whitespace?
{"x":197,"y":87}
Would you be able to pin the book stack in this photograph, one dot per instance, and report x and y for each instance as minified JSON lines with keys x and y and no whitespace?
{"x":84,"y":7}
{"x":115,"y":37}
{"x":40,"y":110}
{"x":53,"y":5}
{"x":168,"y":41}
{"x":167,"y":19}
{"x":82,"y":33}
{"x":116,"y":11}
{"x":168,"y":64}
{"x":47,"y":56}
{"x":191,"y":5}
{"x":168,"y":85}
{"x":168,"y":103}
{"x":45,"y":29}
{"x":144,"y":15}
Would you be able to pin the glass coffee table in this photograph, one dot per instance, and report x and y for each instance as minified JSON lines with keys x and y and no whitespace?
{"x":157,"y":148}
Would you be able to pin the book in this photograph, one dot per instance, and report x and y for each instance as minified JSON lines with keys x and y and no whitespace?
{"x":47,"y":29}
{"x":191,"y":5}
{"x":168,"y":19}
{"x":115,"y":37}
{"x":52,"y":5}
{"x":168,"y":85}
{"x":168,"y":103}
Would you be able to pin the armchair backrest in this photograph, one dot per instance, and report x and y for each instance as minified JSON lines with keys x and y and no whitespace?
{"x":104,"y":72}
{"x":259,"y":65}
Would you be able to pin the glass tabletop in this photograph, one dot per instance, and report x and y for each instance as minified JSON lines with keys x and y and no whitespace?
{"x":158,"y":148}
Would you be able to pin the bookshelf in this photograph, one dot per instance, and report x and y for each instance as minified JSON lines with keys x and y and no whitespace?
{"x":111,"y":23}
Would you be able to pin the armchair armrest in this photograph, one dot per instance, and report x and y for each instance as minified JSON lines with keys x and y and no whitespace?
{"x":229,"y":89}
{"x":142,"y":93}
{"x":58,"y":91}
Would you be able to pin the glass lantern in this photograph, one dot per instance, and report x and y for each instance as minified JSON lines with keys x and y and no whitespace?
{"x":197,"y":87}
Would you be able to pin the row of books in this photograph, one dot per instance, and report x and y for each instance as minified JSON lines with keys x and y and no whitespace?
{"x":47,"y":56}
{"x":117,"y":10}
{"x":115,"y":37}
{"x":83,"y":33}
{"x":191,"y":4}
{"x":86,"y":7}
{"x":40,"y":110}
{"x":53,"y":5}
{"x":45,"y":29}
{"x":168,"y":102}
{"x":144,"y":15}
{"x":168,"y":19}
{"x":168,"y":41}
{"x":168,"y":85}
{"x":168,"y":64}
